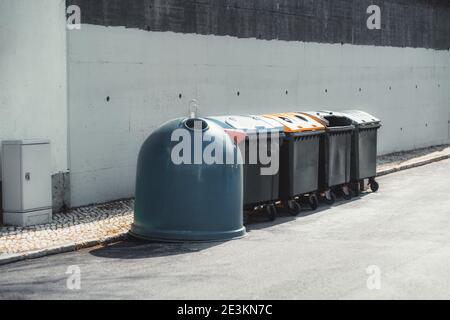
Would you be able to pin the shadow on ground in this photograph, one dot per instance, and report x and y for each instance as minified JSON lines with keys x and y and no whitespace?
{"x":258,"y":220}
{"x":133,"y":248}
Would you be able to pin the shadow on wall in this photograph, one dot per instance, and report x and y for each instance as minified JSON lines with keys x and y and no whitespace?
{"x":61,"y":192}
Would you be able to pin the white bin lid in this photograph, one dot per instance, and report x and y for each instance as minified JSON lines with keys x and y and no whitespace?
{"x":360,"y":117}
{"x":250,"y":124}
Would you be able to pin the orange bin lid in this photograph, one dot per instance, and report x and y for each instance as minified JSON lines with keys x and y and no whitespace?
{"x":296,"y":122}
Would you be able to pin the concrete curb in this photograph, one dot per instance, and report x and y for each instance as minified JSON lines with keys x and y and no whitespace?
{"x":76,"y":246}
{"x":7,"y":259}
{"x":412,"y":165}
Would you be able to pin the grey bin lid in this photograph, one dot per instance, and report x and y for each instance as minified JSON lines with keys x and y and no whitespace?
{"x":361,"y":118}
{"x":248,"y":124}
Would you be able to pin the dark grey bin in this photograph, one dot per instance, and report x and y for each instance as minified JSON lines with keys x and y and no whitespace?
{"x":335,"y":154}
{"x":299,"y":165}
{"x":364,"y":149}
{"x":259,"y":190}
{"x":187,"y":202}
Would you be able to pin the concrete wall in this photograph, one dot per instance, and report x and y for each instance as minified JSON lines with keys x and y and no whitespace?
{"x":144,"y":73}
{"x":137,"y":63}
{"x":33,"y":78}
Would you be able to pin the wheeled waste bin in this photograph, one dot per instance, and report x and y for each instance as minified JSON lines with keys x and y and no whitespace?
{"x":364,"y":149}
{"x":335,"y":155}
{"x":181,"y":197}
{"x":299,"y":165}
{"x":261,"y":188}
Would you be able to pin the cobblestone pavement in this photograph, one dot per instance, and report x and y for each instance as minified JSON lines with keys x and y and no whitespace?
{"x":114,"y":219}
{"x":77,"y":225}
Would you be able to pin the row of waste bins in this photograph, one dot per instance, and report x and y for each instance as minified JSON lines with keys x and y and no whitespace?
{"x":321,"y":155}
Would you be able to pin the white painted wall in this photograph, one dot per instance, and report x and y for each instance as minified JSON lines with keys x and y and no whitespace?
{"x":33,"y":78}
{"x":143,"y":73}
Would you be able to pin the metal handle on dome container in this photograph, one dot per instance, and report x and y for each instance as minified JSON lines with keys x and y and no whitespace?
{"x":193,"y":108}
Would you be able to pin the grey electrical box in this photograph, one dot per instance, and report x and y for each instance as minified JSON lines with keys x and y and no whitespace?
{"x":26,"y":182}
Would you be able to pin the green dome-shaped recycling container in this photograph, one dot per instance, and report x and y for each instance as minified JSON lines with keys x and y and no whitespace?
{"x":194,"y":200}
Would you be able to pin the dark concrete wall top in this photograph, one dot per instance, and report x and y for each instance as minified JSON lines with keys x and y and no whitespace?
{"x":404,"y":23}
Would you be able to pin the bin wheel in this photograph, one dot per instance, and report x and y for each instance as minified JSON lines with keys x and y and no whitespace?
{"x":374,"y":186}
{"x":294,"y":208}
{"x":271,"y":212}
{"x":313,"y":202}
{"x":330,"y":197}
{"x":346,"y":193}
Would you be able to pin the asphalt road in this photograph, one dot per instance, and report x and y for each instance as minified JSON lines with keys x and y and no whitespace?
{"x":395,"y":242}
